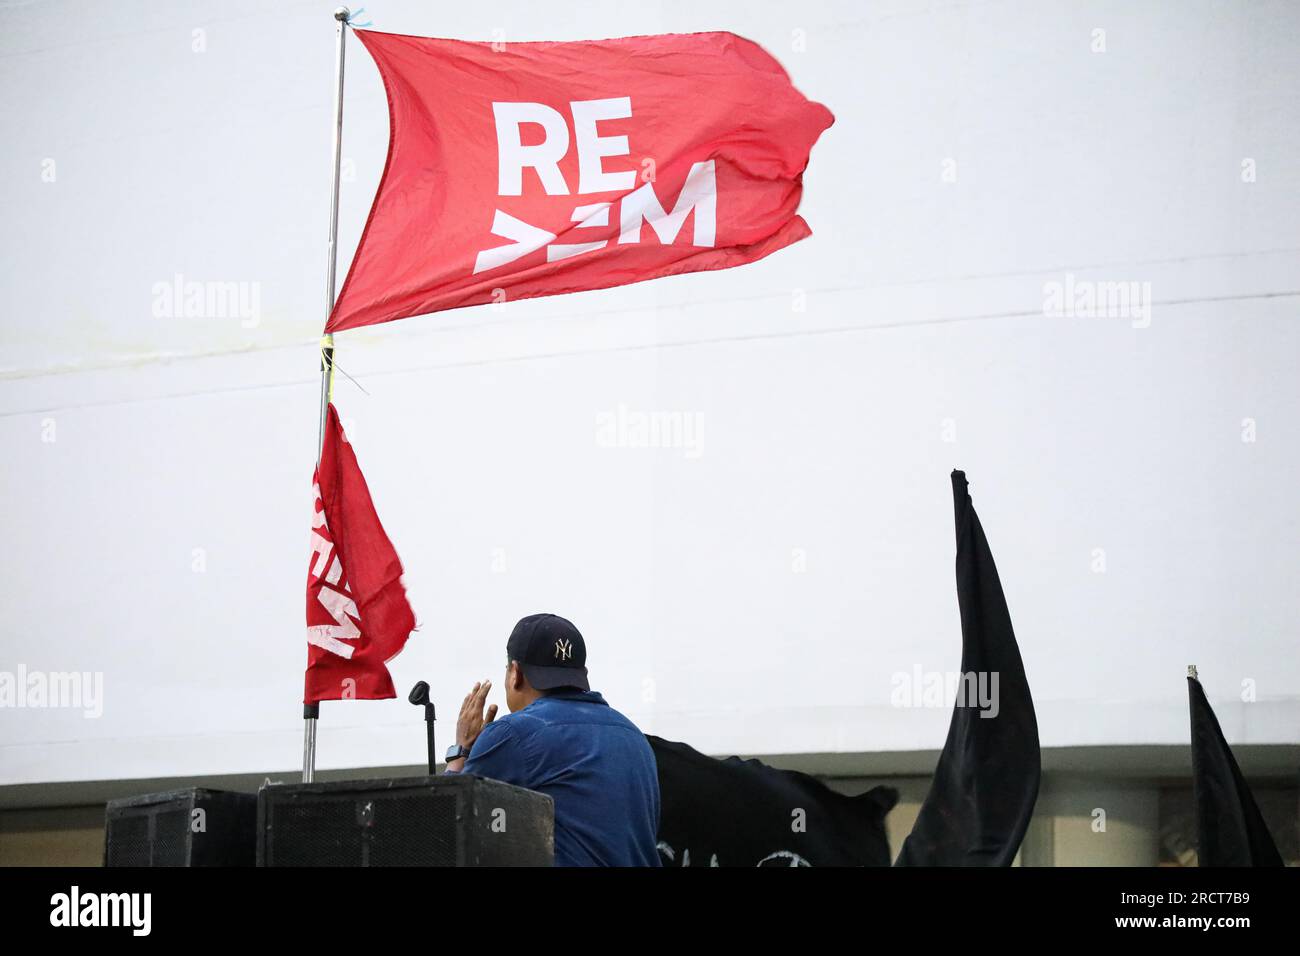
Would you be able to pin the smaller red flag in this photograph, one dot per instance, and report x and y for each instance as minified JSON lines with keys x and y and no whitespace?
{"x":358,"y":617}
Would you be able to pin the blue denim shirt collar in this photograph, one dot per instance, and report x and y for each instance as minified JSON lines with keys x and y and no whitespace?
{"x":572,"y":693}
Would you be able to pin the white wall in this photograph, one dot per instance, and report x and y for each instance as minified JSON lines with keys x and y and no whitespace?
{"x":822,"y":430}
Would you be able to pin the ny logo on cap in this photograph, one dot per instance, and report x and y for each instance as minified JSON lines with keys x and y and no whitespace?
{"x":563,"y":650}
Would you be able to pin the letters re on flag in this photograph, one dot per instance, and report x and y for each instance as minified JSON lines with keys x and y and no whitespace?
{"x":528,"y":169}
{"x":358,"y":617}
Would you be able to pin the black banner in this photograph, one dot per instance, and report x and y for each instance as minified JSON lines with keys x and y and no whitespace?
{"x":1230,"y":830}
{"x":986,"y":782}
{"x":737,"y":812}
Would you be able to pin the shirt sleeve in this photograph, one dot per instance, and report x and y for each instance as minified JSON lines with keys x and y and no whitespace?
{"x":498,"y":753}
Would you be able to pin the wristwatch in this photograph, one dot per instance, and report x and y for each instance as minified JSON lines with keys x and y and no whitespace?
{"x":456,"y":751}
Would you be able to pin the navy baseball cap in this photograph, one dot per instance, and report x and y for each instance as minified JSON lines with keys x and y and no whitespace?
{"x":550,"y":652}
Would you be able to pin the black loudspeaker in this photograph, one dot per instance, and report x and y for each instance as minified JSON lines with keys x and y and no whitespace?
{"x":452,"y":820}
{"x":192,"y":827}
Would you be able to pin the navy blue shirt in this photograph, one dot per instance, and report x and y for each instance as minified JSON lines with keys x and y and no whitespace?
{"x":593,"y":762}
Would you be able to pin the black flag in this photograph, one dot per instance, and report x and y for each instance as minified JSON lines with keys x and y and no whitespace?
{"x":737,"y":812}
{"x":986,"y":782}
{"x":1229,"y":828}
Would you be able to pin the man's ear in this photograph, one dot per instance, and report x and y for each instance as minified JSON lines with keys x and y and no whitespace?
{"x":516,"y":676}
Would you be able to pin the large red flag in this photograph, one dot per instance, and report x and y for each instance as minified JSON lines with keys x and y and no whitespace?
{"x":358,"y":617}
{"x":527,"y":169}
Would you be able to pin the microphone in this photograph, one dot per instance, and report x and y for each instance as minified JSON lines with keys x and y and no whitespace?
{"x":420,"y":697}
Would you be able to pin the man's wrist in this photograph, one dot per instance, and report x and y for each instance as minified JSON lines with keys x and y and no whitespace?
{"x":458,"y":751}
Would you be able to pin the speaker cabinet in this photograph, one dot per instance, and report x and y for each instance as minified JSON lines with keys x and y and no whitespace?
{"x":453,"y":820}
{"x":192,"y":827}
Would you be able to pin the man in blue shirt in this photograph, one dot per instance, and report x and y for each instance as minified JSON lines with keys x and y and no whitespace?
{"x":561,"y":738}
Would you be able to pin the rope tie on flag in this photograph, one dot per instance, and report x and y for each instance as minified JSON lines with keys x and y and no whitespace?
{"x":340,"y":368}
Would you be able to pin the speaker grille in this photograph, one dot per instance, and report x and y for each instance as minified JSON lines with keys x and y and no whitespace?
{"x":414,"y":830}
{"x":417,"y":821}
{"x":322,"y":833}
{"x":128,"y":840}
{"x":171,"y":836}
{"x":155,"y":829}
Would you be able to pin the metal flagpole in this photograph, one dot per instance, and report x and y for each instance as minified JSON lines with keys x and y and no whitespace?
{"x":311,"y":712}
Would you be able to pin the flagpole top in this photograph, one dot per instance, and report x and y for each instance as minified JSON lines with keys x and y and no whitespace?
{"x":1191,"y":671}
{"x":342,"y":13}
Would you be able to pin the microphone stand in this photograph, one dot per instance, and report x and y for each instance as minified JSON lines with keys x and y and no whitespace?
{"x":420,"y":696}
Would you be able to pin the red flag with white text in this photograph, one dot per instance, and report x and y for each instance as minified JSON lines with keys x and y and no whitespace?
{"x":358,"y":617}
{"x":527,"y":169}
